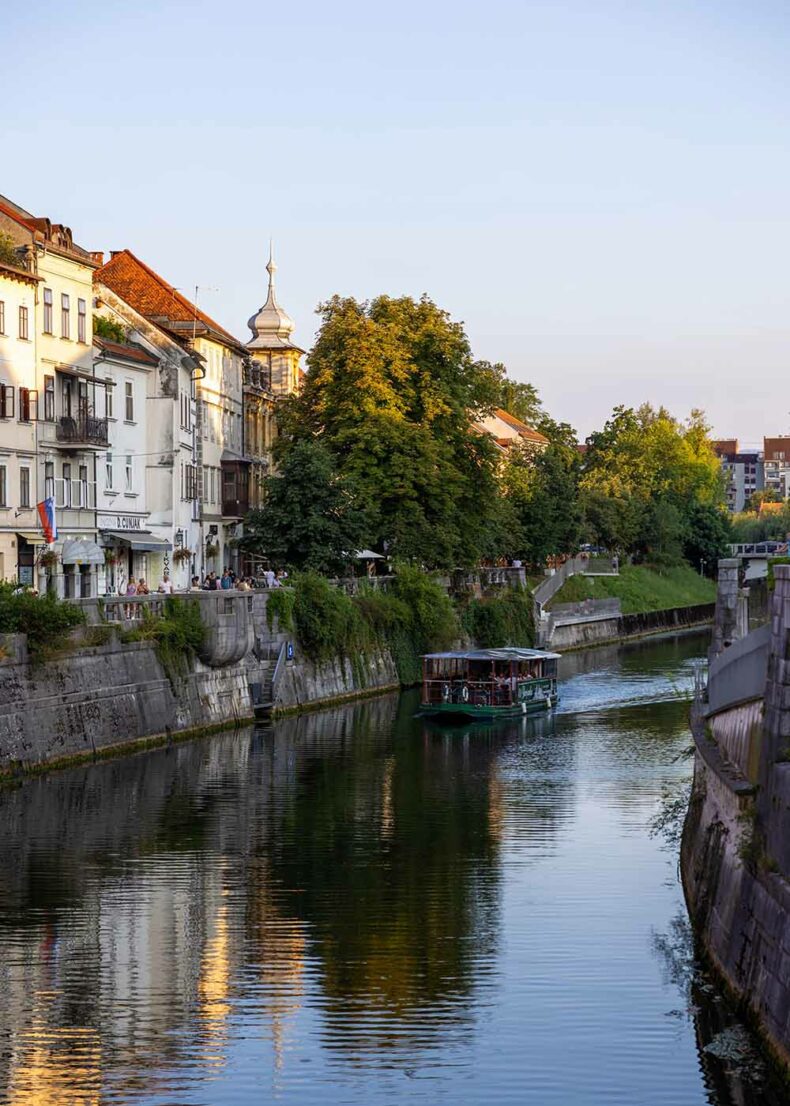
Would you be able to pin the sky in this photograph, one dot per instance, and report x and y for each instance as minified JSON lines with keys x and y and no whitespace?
{"x":600,"y":190}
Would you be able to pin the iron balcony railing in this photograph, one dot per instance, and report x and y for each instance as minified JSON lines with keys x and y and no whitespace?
{"x":82,"y":430}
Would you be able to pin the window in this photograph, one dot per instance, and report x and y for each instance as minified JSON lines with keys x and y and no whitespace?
{"x":23,"y":323}
{"x":49,"y":398}
{"x":24,"y":405}
{"x":3,"y":486}
{"x":186,"y":414}
{"x":108,"y":401}
{"x":108,"y":473}
{"x":129,"y":473}
{"x":47,"y":310}
{"x":2,"y":316}
{"x":6,"y":401}
{"x":66,"y":484}
{"x":65,"y":396}
{"x":191,"y":475}
{"x":49,"y":479}
{"x":129,"y":415}
{"x":65,"y":316}
{"x":24,"y":486}
{"x":84,"y":486}
{"x":81,"y":323}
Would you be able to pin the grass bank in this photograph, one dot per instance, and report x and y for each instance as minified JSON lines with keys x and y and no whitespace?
{"x":641,"y":588}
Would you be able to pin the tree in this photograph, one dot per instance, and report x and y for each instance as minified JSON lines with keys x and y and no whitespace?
{"x":763,"y":495}
{"x":309,"y":519}
{"x":393,"y":392}
{"x":540,"y":492}
{"x":654,"y":471}
{"x":708,"y":534}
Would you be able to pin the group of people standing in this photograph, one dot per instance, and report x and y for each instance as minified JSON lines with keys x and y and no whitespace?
{"x":211,"y":581}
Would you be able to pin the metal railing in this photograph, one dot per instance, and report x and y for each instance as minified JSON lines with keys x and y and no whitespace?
{"x":82,"y":430}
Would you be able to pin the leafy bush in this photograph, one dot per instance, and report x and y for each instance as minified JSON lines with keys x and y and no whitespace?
{"x":44,"y":619}
{"x":327,"y":622}
{"x":178,"y":633}
{"x":280,"y":605}
{"x":415,"y":616}
{"x":505,"y":620}
{"x":108,"y":328}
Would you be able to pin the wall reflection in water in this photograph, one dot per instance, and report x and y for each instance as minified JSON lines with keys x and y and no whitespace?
{"x":146,"y":903}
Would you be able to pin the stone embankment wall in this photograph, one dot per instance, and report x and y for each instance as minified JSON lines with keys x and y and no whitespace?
{"x":98,"y":699}
{"x":735,"y":855}
{"x":601,"y":630}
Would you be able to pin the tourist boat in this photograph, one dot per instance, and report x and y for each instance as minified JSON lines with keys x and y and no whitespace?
{"x":488,"y":683}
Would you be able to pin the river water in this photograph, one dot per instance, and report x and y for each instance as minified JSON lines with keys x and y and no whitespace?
{"x":357,"y":907}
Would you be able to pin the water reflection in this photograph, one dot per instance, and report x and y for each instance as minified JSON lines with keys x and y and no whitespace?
{"x":359,"y":906}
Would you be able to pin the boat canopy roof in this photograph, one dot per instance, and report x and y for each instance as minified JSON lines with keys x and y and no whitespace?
{"x":507,"y":653}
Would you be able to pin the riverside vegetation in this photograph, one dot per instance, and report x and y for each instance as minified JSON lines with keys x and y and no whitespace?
{"x":384,"y":448}
{"x":642,"y":588}
{"x":414,"y":616}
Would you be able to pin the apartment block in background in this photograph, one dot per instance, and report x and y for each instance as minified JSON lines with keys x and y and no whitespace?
{"x":744,"y":471}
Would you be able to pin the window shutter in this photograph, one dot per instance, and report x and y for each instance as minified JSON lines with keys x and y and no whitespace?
{"x":7,"y":401}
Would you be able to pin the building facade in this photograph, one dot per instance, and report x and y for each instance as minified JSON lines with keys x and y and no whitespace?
{"x":19,"y":539}
{"x":170,"y":540}
{"x":274,"y":371}
{"x":744,"y":472}
{"x":776,"y":453}
{"x":66,"y":404}
{"x":211,"y":473}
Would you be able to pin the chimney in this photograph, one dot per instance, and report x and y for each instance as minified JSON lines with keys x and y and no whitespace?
{"x":97,"y":256}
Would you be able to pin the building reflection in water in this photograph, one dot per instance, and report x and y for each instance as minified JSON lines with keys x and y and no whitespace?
{"x":149,"y":906}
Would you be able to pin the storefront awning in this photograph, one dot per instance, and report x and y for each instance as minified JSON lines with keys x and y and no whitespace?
{"x":82,"y":553}
{"x":140,"y":542}
{"x":31,"y":536}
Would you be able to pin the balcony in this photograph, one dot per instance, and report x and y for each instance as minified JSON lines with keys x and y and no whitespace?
{"x":82,"y":430}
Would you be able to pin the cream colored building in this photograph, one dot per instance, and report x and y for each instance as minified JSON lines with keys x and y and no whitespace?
{"x":68,"y":397}
{"x":170,"y":538}
{"x":211,"y":473}
{"x":18,"y":529}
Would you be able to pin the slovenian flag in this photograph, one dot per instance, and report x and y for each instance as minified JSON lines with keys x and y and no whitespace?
{"x":46,"y":512}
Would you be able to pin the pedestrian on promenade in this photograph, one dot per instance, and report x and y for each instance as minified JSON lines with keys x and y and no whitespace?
{"x":142,"y":587}
{"x":227,"y":580}
{"x":269,"y":577}
{"x":195,"y":586}
{"x":165,"y":584}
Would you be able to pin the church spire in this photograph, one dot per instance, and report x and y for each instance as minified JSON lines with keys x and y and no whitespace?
{"x":271,"y":327}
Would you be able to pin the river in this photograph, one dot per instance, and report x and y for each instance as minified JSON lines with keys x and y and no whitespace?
{"x":357,"y":907}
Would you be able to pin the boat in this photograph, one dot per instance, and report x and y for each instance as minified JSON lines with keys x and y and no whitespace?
{"x":486,"y":684}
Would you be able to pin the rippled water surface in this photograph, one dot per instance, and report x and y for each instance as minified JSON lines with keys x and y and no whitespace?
{"x":358,"y":907}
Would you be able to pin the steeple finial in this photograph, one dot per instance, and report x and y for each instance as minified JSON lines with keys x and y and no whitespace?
{"x":271,"y":268}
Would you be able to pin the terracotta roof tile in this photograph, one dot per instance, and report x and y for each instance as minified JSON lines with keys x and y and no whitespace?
{"x":129,"y":350}
{"x":150,"y":295}
{"x":521,"y":427}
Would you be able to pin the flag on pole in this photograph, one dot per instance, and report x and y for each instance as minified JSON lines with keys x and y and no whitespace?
{"x":46,"y":512}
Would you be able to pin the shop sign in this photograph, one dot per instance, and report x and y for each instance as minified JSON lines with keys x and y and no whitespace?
{"x":121,"y":522}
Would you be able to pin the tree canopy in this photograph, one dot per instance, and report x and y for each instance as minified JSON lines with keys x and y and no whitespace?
{"x":383,"y":448}
{"x":392,"y":392}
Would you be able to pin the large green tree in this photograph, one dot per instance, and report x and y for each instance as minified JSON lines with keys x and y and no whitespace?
{"x":310,"y":518}
{"x":393,"y":391}
{"x":645,"y":476}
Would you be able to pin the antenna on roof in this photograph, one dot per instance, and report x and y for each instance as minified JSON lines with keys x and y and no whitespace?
{"x":198,"y":287}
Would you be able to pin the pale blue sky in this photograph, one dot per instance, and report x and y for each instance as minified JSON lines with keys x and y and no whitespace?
{"x":599,"y":190}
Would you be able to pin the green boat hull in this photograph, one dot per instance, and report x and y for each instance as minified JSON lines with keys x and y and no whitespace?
{"x":487,"y":713}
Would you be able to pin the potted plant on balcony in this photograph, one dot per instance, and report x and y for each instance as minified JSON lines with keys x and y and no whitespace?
{"x":110,"y":557}
{"x":182,"y":554}
{"x":212,"y":548}
{"x":48,"y":558}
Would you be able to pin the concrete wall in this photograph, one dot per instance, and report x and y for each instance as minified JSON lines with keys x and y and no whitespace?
{"x":104,"y":698}
{"x":735,"y":855}
{"x":600,"y":630}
